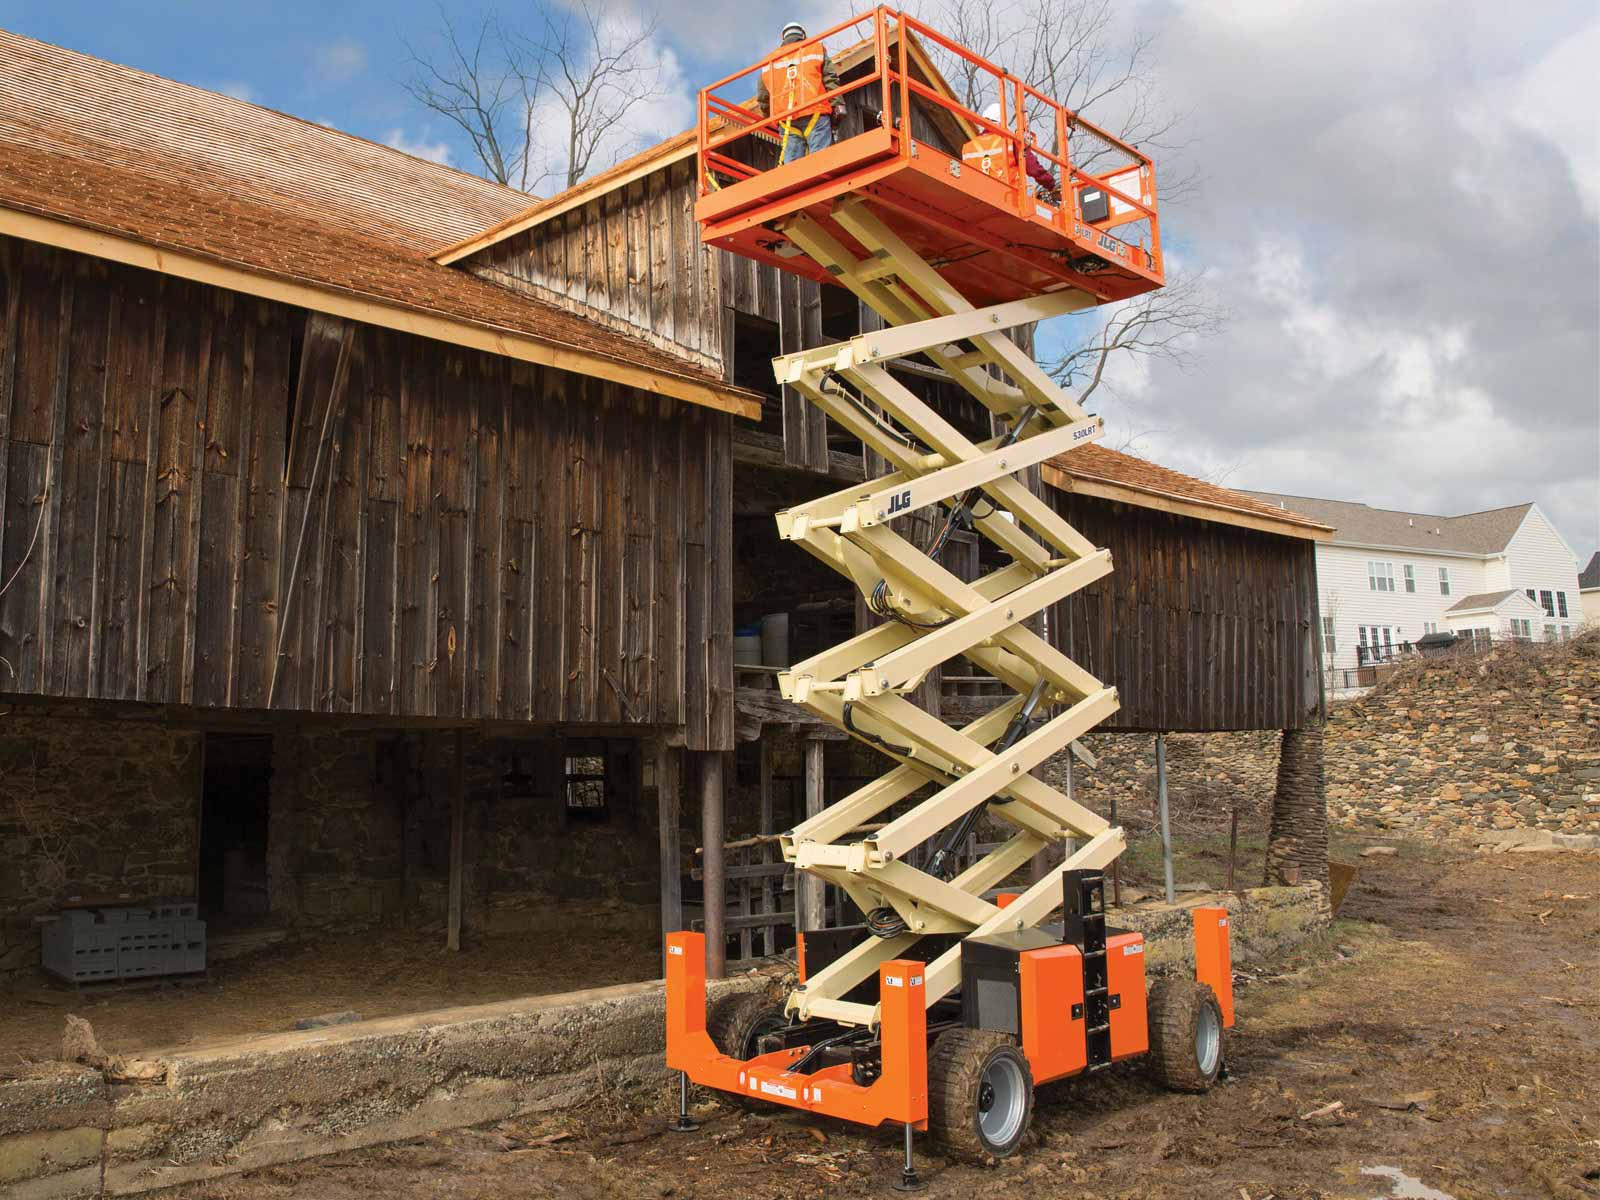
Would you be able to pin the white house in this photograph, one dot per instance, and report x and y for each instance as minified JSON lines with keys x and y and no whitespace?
{"x":1589,"y":589}
{"x":1387,"y":579}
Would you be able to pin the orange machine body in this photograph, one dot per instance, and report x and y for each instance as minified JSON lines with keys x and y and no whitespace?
{"x":1050,"y":993}
{"x":1213,"y":962}
{"x":995,"y":238}
{"x":899,"y":1094}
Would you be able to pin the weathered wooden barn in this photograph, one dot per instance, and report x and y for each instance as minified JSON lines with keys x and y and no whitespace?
{"x":375,"y":542}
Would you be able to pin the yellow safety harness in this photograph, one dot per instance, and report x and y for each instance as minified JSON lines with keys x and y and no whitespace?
{"x":788,"y":129}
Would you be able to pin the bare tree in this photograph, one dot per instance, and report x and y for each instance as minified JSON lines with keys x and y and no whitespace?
{"x":545,"y":106}
{"x":1073,"y":52}
{"x":486,"y":87}
{"x":1080,"y":54}
{"x":1166,"y":324}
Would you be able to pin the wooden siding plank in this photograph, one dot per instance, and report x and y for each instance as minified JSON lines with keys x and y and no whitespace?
{"x":486,"y":612}
{"x":262,"y":498}
{"x":27,"y":508}
{"x":553,"y":613}
{"x":669,"y":624}
{"x":176,"y":505}
{"x":584,"y":429}
{"x":419,"y":385}
{"x":611,"y":581}
{"x":69,"y":602}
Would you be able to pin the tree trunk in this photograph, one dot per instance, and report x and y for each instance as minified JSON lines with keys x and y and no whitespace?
{"x":1297,"y":847}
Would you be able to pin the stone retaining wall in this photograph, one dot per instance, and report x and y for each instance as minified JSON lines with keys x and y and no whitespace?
{"x":1508,"y":739}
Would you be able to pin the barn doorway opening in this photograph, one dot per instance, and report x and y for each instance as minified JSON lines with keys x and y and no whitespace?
{"x":234,"y":806}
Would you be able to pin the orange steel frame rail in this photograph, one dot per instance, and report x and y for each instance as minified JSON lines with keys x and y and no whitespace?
{"x":733,"y":214}
{"x":1053,"y":1041}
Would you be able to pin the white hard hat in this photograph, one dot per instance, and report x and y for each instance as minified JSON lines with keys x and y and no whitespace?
{"x":992,"y":113}
{"x":794,"y":32}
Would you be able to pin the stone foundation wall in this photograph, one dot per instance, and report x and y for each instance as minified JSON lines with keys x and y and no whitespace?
{"x":358,"y":831}
{"x":92,"y":809}
{"x":1207,"y":773}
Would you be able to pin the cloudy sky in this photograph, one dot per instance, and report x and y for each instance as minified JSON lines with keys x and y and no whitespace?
{"x":1397,"y":211}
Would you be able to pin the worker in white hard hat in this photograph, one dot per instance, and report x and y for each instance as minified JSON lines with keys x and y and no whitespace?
{"x":990,"y":152}
{"x":793,"y":85}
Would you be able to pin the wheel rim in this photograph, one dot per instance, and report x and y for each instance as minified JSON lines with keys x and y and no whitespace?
{"x":1207,"y":1039}
{"x":1002,"y":1101}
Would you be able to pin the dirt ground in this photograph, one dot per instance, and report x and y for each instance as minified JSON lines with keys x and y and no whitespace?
{"x":1447,"y":1030}
{"x":376,"y":974}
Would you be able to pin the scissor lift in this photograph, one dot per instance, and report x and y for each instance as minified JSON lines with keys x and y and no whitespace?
{"x":951,"y":1002}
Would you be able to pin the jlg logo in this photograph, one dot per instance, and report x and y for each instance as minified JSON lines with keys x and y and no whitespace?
{"x":900,"y":502}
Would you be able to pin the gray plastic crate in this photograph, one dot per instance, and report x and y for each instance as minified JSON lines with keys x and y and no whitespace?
{"x":79,"y":952}
{"x":125,"y":943}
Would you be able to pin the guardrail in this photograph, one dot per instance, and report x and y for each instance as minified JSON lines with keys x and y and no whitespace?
{"x":1124,"y":195}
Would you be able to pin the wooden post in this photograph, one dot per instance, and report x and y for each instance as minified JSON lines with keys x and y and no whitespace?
{"x":669,"y":806}
{"x":458,"y":837}
{"x":808,"y":893}
{"x":764,"y":749}
{"x":712,"y":836}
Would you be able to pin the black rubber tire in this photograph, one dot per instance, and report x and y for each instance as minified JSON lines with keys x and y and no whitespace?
{"x":735,"y":1023}
{"x":1175,"y":1012}
{"x":956,"y":1066}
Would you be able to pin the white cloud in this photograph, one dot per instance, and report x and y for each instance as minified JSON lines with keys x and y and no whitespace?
{"x":236,"y":88}
{"x":338,"y":61}
{"x":1556,"y":98}
{"x":438,"y":152}
{"x":1402,"y":227}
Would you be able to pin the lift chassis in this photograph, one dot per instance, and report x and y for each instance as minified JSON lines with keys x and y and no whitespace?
{"x":946,"y":1008}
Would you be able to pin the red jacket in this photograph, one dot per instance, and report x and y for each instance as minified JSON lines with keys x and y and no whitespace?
{"x":1037,"y":171}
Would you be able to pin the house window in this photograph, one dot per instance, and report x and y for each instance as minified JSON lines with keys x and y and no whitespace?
{"x":1522,"y":628}
{"x":1380,"y":576}
{"x":1561,"y":604}
{"x":1411,"y":577}
{"x":1566,"y":633}
{"x":1388,"y":649}
{"x":1532,"y":595}
{"x":1548,"y":603}
{"x":1444,"y":581}
{"x":1549,"y":633}
{"x":1430,"y":627}
{"x":1329,"y":645}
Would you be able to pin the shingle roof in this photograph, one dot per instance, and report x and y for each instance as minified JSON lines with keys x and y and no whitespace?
{"x":278,"y":198}
{"x":1589,"y":577}
{"x":63,"y":102}
{"x":1482,"y":600}
{"x":1473,"y":533}
{"x":1094,"y":463}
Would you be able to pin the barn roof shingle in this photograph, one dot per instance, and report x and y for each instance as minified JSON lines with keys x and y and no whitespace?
{"x":104,"y":148}
{"x":1147,"y":482}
